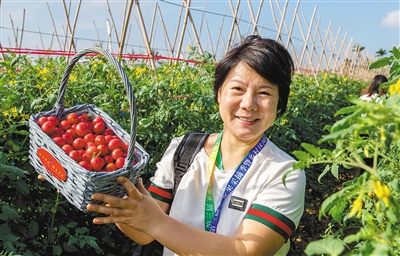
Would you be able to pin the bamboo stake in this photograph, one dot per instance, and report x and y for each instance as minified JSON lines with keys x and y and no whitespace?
{"x":177,"y":28}
{"x":233,"y":24}
{"x":125,"y":27}
{"x":68,"y":25}
{"x":22,"y":30}
{"x":289,"y":41}
{"x":145,"y":37}
{"x":54,"y":26}
{"x":220,"y":34}
{"x":178,"y":52}
{"x":41,"y":39}
{"x":308,"y":37}
{"x":254,"y":20}
{"x":340,"y":50}
{"x":113,"y":23}
{"x":165,"y":33}
{"x":323,"y":46}
{"x":15,"y":33}
{"x":2,"y":53}
{"x":196,"y":37}
{"x":210,"y":40}
{"x":152,"y":21}
{"x":74,"y":26}
{"x":279,"y":38}
{"x":97,"y":33}
{"x":334,"y":46}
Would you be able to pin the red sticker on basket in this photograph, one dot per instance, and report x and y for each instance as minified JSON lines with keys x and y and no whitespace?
{"x":51,"y":164}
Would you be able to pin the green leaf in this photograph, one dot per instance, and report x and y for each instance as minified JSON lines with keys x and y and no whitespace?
{"x":380,"y":63}
{"x":396,"y":52}
{"x":335,"y":170}
{"x":315,"y":151}
{"x":337,"y":211}
{"x":301,"y":155}
{"x":328,"y":246}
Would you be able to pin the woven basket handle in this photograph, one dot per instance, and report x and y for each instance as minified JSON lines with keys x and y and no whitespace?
{"x":59,"y":105}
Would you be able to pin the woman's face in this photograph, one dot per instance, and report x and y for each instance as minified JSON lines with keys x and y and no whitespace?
{"x":247,"y":103}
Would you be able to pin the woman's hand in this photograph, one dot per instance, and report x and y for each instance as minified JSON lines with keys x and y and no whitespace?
{"x":137,"y":210}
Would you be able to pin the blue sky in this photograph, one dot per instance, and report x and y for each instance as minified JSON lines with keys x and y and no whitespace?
{"x":372,"y":24}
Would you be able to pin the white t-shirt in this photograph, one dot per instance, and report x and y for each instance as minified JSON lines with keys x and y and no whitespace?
{"x":260,"y":195}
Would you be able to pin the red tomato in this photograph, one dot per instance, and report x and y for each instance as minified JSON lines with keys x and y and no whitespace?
{"x":71,"y":132}
{"x":108,"y":159}
{"x":59,"y":141}
{"x":42,"y":120}
{"x":117,"y":153}
{"x":54,"y":120}
{"x":67,"y":137}
{"x":115,"y":143}
{"x":103,"y":149}
{"x":85,"y":157}
{"x":120,"y":162}
{"x":82,"y":129}
{"x":89,"y":144}
{"x":97,"y":163}
{"x":108,"y":138}
{"x":97,"y":119}
{"x":73,"y":118}
{"x":48,"y":127}
{"x":67,"y":148}
{"x":75,"y":155}
{"x":93,"y":151}
{"x":89,"y":137}
{"x":85,"y":165}
{"x":78,"y":143}
{"x":84,"y":117}
{"x":58,"y":131}
{"x":64,"y":124}
{"x":99,"y":128}
{"x":108,"y":131}
{"x":100,"y":140}
{"x":110,"y":167}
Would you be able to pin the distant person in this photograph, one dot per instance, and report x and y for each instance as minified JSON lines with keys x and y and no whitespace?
{"x":373,"y":92}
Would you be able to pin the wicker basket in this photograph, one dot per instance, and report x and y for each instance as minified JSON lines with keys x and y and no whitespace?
{"x":73,"y":181}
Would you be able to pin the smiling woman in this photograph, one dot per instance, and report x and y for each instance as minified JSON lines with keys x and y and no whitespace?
{"x":232,"y":198}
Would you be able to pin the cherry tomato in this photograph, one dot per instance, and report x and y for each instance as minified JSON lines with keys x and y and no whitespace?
{"x":48,"y":127}
{"x":100,"y":140}
{"x":103,"y":149}
{"x":58,"y":131}
{"x":108,"y":159}
{"x":108,"y":138}
{"x":85,"y":165}
{"x":108,"y":131}
{"x":68,"y":138}
{"x":120,"y":162}
{"x":59,"y":141}
{"x":97,"y":119}
{"x":42,"y":120}
{"x":64,"y":124}
{"x":117,"y":153}
{"x":93,"y":151}
{"x":84,"y":117}
{"x":75,"y":155}
{"x":67,"y":148}
{"x":99,"y":128}
{"x":82,"y":129}
{"x":78,"y":143}
{"x":73,"y":118}
{"x":115,"y":143}
{"x":85,"y":157}
{"x":71,"y":132}
{"x":54,"y":120}
{"x":89,"y":137}
{"x":89,"y":144}
{"x":110,"y":167}
{"x":97,"y":163}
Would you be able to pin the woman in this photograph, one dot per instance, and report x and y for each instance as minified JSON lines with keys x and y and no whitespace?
{"x":373,"y":91}
{"x":232,"y":200}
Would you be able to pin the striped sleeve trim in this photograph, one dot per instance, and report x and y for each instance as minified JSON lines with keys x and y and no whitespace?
{"x":273,"y":219}
{"x":159,"y":193}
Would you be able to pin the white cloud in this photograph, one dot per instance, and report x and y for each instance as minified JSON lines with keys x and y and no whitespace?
{"x":392,"y":19}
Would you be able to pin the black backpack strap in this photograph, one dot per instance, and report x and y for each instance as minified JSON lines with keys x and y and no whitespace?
{"x":190,"y":145}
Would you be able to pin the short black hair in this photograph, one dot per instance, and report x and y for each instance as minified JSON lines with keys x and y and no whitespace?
{"x":266,"y":57}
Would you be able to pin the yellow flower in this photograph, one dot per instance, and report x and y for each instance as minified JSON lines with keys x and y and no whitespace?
{"x":382,"y":192}
{"x":72,"y":78}
{"x":357,"y":207}
{"x":284,"y":121}
{"x":14,"y":111}
{"x":395,"y":88}
{"x":40,"y":86}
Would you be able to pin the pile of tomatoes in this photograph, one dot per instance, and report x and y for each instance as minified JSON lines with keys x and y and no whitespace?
{"x":87,"y":141}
